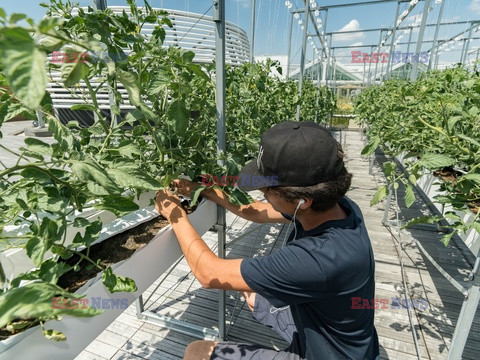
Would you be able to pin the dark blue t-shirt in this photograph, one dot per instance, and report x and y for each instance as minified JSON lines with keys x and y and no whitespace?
{"x":317,"y":274}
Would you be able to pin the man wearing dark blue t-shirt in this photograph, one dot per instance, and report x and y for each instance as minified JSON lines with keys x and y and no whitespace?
{"x":303,"y":291}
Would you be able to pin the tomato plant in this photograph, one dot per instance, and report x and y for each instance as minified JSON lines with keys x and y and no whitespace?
{"x":170,"y":132}
{"x":434,"y":124}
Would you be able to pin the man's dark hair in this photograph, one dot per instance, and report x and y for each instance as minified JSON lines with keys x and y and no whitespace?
{"x":325,"y":195}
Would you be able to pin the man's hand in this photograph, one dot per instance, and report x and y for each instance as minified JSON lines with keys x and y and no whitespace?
{"x":184,"y":187}
{"x":168,"y":205}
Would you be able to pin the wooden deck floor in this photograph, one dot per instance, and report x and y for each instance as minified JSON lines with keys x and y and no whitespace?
{"x":180,"y":296}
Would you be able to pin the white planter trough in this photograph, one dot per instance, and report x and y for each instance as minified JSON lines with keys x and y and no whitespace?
{"x":16,"y":261}
{"x":144,"y":267}
{"x":430,"y":186}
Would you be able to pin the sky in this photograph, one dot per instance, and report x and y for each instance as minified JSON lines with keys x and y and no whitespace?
{"x":272,"y":22}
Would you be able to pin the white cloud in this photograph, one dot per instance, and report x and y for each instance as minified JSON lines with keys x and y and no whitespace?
{"x":244,"y":3}
{"x":358,"y":43}
{"x":352,"y":25}
{"x":475,"y":6}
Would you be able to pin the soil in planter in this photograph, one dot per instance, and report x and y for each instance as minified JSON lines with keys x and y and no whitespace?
{"x":112,"y":250}
{"x":474,"y":206}
{"x":447,"y":174}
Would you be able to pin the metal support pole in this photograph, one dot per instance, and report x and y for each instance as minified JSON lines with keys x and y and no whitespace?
{"x":318,"y":91}
{"x":408,"y":51}
{"x":392,"y":43}
{"x":363,"y":77}
{"x":101,"y":4}
{"x":324,"y":55}
{"x":302,"y":58}
{"x":435,"y":36}
{"x":467,"y":313}
{"x":252,"y":33}
{"x":289,"y":45}
{"x":467,"y":45}
{"x":414,"y":73}
{"x":369,"y":66}
{"x":219,"y":19}
{"x":376,"y":64}
{"x":328,"y":68}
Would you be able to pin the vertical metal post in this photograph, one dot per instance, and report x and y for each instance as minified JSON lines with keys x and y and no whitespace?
{"x":318,"y":90}
{"x":369,"y":66}
{"x":302,"y":58}
{"x":324,"y":55}
{"x":467,"y":313}
{"x":467,"y":45}
{"x":252,"y":34}
{"x":414,"y":72}
{"x":435,"y":36}
{"x":392,"y":43}
{"x":219,"y":19}
{"x":101,"y":4}
{"x":408,"y":51}
{"x":289,"y":45}
{"x":363,"y":78}
{"x":328,"y":72}
{"x":378,"y":52}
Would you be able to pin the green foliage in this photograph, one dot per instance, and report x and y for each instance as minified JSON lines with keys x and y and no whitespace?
{"x":171,"y":132}
{"x":434,"y":123}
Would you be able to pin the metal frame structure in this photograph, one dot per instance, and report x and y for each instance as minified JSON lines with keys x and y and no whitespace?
{"x":472,"y":291}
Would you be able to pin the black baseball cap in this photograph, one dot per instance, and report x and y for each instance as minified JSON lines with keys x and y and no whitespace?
{"x":292,"y":154}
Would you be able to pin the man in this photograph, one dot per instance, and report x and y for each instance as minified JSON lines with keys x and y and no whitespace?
{"x":303,"y":291}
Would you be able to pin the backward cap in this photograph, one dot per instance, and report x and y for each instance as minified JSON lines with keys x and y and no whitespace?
{"x":292,"y":154}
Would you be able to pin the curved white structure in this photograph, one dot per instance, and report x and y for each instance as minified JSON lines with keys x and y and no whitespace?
{"x":190,"y":31}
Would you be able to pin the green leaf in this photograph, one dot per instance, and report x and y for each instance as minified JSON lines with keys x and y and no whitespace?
{"x":92,"y":232}
{"x":473,"y":177}
{"x":435,"y":161}
{"x":446,"y":238}
{"x":389,"y":168}
{"x":54,"y":335}
{"x":35,"y":174}
{"x":130,"y":82}
{"x":238,"y":197}
{"x":381,"y":194}
{"x":409,"y":196}
{"x":34,"y":301}
{"x":80,"y":222}
{"x":62,"y":134}
{"x":134,"y":178}
{"x":422,"y":220}
{"x":116,"y":283}
{"x":51,"y":270}
{"x":469,"y":139}
{"x":83,"y":107}
{"x":88,"y":170}
{"x":74,"y":69}
{"x":178,"y":117}
{"x":38,"y":146}
{"x":195,"y":194}
{"x":36,"y":248}
{"x":16,"y":17}
{"x":23,"y":65}
{"x":117,"y":204}
{"x":476,"y":226}
{"x":372,"y":145}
